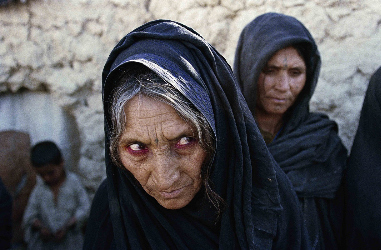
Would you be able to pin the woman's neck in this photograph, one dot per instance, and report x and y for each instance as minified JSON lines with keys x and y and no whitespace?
{"x":268,"y":122}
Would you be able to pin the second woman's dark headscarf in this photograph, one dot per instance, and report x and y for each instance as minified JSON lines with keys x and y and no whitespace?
{"x":307,"y":147}
{"x":242,"y":172}
{"x":306,"y":139}
{"x":259,"y":41}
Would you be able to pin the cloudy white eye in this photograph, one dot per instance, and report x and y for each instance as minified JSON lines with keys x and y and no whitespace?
{"x":137,"y":148}
{"x":185,"y":141}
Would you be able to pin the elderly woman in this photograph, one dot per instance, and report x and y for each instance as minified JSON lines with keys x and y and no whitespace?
{"x":186,"y":168}
{"x":362,"y":180}
{"x":277,"y":64}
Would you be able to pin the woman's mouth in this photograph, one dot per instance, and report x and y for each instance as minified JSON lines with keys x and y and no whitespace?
{"x":171,"y":194}
{"x":278,"y":99}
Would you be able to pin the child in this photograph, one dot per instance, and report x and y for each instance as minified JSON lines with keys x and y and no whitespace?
{"x":58,"y":206}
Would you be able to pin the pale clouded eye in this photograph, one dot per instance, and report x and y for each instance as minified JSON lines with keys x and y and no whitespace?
{"x":185,"y":141}
{"x":137,"y":149}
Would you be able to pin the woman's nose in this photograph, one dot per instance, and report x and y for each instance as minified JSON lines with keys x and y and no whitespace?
{"x":283,"y":82}
{"x":165,"y":172}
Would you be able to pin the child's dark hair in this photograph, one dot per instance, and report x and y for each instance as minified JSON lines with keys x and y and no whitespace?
{"x":45,"y":152}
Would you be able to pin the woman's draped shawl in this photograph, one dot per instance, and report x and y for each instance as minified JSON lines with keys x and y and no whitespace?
{"x":261,"y":210}
{"x":308,"y":148}
{"x":363,"y":178}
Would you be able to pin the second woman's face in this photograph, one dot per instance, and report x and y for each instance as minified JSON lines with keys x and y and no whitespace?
{"x":161,"y":151}
{"x":281,"y":81}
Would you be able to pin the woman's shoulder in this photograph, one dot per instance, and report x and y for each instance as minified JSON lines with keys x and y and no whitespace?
{"x":99,"y":233}
{"x":318,"y":118}
{"x":100,"y":201}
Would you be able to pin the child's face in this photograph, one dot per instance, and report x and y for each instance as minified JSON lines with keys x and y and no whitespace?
{"x":51,"y":174}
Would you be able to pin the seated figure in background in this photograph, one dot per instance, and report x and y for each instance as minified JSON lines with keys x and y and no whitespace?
{"x":58,"y":205}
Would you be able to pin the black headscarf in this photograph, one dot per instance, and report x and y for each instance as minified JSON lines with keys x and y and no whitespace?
{"x":307,"y":147}
{"x":362,"y":182}
{"x":259,"y":201}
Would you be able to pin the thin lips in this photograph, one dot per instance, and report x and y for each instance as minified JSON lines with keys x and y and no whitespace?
{"x":171,"y":191}
{"x":171,"y":194}
{"x":278,"y":98}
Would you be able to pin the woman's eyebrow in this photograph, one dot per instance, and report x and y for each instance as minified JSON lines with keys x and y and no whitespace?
{"x":301,"y":68}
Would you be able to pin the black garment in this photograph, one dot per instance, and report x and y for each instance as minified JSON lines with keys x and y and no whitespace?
{"x":307,"y":148}
{"x":5,"y":217}
{"x":5,"y":2}
{"x":362,"y":180}
{"x":261,"y":210}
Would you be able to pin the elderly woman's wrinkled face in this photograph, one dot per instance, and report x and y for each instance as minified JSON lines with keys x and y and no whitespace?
{"x":281,"y":81}
{"x":161,"y":151}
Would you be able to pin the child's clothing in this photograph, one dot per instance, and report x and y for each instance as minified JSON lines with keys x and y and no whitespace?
{"x":72,"y":200}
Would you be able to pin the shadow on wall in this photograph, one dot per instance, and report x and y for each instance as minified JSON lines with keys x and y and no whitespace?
{"x":37,"y":115}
